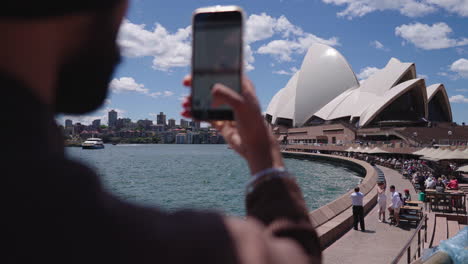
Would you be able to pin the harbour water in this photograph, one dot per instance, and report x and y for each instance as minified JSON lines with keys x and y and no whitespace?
{"x":200,"y":176}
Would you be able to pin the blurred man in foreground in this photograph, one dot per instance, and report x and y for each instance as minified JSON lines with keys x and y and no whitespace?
{"x":58,"y":57}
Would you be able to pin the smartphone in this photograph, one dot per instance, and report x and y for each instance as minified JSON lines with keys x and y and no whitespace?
{"x":217,"y":57}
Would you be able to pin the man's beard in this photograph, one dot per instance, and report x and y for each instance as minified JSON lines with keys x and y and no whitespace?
{"x":83,"y":80}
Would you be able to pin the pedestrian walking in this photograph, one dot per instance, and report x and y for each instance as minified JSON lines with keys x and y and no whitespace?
{"x":358,"y":210}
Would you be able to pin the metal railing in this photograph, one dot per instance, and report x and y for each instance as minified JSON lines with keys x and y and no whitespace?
{"x":407,"y":248}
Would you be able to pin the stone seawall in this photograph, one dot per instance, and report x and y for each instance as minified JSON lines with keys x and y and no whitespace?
{"x":335,"y":218}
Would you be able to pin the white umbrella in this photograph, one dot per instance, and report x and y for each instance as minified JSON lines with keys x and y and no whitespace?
{"x":377,"y":150}
{"x":366,"y":150}
{"x":435,"y":156}
{"x":456,"y":155}
{"x":358,"y":149}
{"x":420,"y":152}
{"x":350,"y":149}
{"x":463,"y":168}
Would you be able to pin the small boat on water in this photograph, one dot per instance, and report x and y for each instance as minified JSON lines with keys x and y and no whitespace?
{"x":93,"y":143}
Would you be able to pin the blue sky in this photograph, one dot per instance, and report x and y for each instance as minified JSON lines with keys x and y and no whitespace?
{"x":155,"y":41}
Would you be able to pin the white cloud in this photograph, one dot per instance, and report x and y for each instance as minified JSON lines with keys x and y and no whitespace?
{"x":410,"y":8}
{"x":458,"y":99}
{"x":429,"y":37}
{"x":366,"y":73}
{"x":168,"y":93}
{"x":460,"y":67}
{"x":459,"y":7}
{"x":282,"y":49}
{"x":442,"y":74}
{"x":168,"y":50}
{"x":423,"y":76}
{"x":171,"y":50}
{"x":378,"y":45}
{"x":127,"y":84}
{"x":291,"y":71}
{"x":359,"y":8}
{"x":462,"y":90}
{"x":155,"y":94}
{"x":163,"y":94}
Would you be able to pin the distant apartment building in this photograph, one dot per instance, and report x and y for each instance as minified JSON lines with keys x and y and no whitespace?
{"x":96,"y":123}
{"x":184,"y":123}
{"x":146,"y":124}
{"x":161,"y":119}
{"x":123,"y":123}
{"x":194,"y":124}
{"x":158,"y":128}
{"x":181,"y":138}
{"x":112,"y":116}
{"x":171,"y":123}
{"x":168,"y":137}
{"x":78,"y":128}
{"x":68,"y":123}
{"x":193,"y":138}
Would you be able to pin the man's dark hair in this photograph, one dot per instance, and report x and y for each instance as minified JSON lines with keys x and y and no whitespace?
{"x":392,"y":186}
{"x":33,"y":9}
{"x":356,"y":189}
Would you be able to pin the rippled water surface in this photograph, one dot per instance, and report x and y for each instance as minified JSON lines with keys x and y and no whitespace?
{"x":200,"y":176}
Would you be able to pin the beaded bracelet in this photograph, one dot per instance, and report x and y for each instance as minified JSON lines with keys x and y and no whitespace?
{"x":273,"y":172}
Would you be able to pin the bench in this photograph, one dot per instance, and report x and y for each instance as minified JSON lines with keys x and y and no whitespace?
{"x":411,"y":217}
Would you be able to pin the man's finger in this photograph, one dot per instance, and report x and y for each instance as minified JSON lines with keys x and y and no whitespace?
{"x":187,"y":103}
{"x":187,"y":81}
{"x":224,"y":95}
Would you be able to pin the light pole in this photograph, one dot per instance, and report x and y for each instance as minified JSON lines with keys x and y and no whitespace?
{"x":449,"y":133}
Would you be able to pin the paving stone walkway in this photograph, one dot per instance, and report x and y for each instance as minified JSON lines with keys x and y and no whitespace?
{"x":381,"y":242}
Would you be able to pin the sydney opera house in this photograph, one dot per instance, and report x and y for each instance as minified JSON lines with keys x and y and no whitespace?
{"x":326,"y":90}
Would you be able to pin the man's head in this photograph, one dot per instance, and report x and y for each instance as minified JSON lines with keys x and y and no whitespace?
{"x":392,"y":188}
{"x":83,"y":36}
{"x":356,"y":189}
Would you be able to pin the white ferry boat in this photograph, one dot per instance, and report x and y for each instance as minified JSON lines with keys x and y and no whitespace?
{"x":93,"y":143}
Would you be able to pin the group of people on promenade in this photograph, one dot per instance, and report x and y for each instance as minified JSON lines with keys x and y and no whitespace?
{"x":421,"y":174}
{"x":397,"y":201}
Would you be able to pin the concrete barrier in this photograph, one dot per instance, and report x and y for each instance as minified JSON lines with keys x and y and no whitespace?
{"x":334,"y":219}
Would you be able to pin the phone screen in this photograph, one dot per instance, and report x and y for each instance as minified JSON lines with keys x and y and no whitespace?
{"x":217,"y":58}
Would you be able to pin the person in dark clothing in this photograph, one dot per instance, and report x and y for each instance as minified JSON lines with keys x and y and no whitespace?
{"x":58,"y":57}
{"x":357,"y":199}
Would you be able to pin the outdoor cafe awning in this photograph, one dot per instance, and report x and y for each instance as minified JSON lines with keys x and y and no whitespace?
{"x":446,"y":154}
{"x":456,"y":155}
{"x":377,"y":150}
{"x":463,"y":168}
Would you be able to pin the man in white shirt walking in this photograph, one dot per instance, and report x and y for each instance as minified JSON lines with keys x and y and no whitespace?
{"x":395,"y":206}
{"x":358,"y":211}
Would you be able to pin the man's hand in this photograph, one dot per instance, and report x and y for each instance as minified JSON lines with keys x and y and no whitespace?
{"x":249,"y":134}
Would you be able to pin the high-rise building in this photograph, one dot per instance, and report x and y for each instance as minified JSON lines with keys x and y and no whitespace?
{"x":161,"y":119}
{"x":68,"y":123}
{"x":181,"y":138}
{"x":171,"y":123}
{"x":193,"y":138}
{"x":97,"y":123}
{"x":112,"y":118}
{"x":184,"y":123}
{"x":146,"y":124}
{"x":122,"y":123}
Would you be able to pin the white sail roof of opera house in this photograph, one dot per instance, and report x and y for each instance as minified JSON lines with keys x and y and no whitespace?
{"x":326,"y":88}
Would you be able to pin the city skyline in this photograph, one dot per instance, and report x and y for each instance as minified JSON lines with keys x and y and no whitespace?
{"x":91,"y":122}
{"x":155,"y":42}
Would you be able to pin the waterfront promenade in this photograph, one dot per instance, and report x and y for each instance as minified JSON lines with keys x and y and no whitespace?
{"x":381,"y":242}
